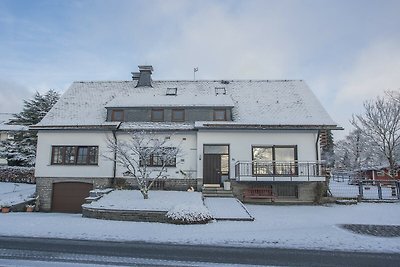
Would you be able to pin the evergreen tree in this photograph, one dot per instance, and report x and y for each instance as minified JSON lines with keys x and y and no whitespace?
{"x":21,"y":151}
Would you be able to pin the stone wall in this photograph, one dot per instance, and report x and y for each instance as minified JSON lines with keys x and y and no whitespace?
{"x":44,"y":187}
{"x":17,"y":174}
{"x":125,"y":215}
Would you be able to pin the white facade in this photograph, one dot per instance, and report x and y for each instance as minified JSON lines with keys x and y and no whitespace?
{"x":189,"y":163}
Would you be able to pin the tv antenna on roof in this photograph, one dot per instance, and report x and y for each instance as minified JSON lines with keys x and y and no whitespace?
{"x":194,"y":72}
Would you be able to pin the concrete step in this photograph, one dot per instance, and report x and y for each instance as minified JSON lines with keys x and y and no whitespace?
{"x":218,"y":195}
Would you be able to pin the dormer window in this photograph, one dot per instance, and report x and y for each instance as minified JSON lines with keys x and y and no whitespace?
{"x":117,"y":115}
{"x":178,"y":115}
{"x":157,"y":115}
{"x":220,"y":91}
{"x":172,"y":91}
{"x":219,"y":114}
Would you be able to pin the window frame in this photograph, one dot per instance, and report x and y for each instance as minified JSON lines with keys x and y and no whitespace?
{"x":153,"y":160}
{"x":157,"y":110}
{"x":173,"y":116}
{"x":75,"y":149}
{"x":113,"y":116}
{"x":220,"y":110}
{"x":274,"y":167}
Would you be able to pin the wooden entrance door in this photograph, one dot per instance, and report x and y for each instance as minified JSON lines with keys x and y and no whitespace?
{"x":212,"y":169}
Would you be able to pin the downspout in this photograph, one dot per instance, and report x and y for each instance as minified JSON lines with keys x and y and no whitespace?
{"x":316,"y":146}
{"x":114,"y":133}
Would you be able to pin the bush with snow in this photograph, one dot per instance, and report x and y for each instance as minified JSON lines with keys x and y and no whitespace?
{"x":189,"y":214}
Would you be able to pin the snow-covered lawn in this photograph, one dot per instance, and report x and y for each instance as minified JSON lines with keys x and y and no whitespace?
{"x":158,"y":200}
{"x":314,"y":227}
{"x":14,"y":193}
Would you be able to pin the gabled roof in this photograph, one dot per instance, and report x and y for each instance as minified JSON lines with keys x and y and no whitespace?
{"x":259,"y":102}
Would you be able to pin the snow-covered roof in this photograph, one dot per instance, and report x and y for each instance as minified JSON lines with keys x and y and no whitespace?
{"x":259,"y":102}
{"x":6,"y":118}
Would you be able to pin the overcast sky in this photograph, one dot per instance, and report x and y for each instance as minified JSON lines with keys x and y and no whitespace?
{"x":347,"y":51}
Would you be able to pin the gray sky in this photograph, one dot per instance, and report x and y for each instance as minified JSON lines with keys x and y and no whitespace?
{"x":347,"y":51}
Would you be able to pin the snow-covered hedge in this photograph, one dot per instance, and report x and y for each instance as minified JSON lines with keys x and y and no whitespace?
{"x":189,"y":214}
{"x":17,"y":174}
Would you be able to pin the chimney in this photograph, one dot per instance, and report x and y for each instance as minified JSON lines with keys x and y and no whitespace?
{"x":144,"y":75}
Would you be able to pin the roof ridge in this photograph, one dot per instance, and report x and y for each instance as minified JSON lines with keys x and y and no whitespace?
{"x":198,"y":81}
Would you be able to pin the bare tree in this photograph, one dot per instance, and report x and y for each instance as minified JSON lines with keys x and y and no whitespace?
{"x":380,"y":123}
{"x":145,"y":156}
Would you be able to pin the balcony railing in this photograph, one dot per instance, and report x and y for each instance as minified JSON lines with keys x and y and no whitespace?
{"x":280,"y":171}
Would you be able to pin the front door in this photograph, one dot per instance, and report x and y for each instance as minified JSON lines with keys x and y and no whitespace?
{"x":215,"y":164}
{"x":212,"y":169}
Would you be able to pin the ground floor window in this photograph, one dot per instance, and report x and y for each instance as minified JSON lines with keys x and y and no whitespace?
{"x":274,"y":160}
{"x":166,"y":156}
{"x":74,"y":155}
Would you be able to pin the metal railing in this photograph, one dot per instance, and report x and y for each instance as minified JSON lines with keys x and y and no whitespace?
{"x":256,"y":170}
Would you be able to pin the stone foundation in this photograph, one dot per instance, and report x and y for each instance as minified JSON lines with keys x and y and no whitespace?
{"x":305,"y":191}
{"x":44,"y":187}
{"x":162,"y":184}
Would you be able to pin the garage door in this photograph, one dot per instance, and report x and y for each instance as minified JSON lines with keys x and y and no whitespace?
{"x":69,"y":197}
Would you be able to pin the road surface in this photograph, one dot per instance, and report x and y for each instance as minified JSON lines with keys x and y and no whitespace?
{"x":19,"y":251}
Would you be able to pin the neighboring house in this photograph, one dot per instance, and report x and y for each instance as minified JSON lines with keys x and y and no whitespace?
{"x":8,"y":131}
{"x":252,"y":132}
{"x":379,"y":173}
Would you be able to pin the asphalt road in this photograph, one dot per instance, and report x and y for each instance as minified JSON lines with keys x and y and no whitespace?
{"x":18,"y":251}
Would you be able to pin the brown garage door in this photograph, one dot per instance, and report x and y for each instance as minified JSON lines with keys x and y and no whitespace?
{"x":69,"y":197}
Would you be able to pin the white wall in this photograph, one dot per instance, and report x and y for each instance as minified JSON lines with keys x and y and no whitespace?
{"x":185,"y":162}
{"x":240,"y":143}
{"x":85,"y":138}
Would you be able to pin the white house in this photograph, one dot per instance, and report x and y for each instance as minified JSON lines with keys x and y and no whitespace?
{"x":253,"y":132}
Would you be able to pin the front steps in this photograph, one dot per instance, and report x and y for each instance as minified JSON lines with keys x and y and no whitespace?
{"x":215,"y":191}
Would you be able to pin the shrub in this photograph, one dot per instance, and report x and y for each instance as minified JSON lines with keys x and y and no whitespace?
{"x":189,"y":214}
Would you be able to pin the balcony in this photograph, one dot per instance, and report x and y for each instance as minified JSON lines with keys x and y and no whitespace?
{"x":271,"y":171}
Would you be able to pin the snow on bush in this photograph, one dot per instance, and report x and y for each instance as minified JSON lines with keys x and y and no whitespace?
{"x":189,"y":214}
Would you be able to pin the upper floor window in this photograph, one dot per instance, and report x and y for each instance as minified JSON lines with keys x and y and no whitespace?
{"x":157,"y":115}
{"x":219,"y":114}
{"x":74,"y":155}
{"x":117,"y":115}
{"x":178,"y":115}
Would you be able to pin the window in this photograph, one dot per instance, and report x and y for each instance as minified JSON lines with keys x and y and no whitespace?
{"x":172,"y":91}
{"x":380,"y":173}
{"x":219,"y":114}
{"x":117,"y":115}
{"x":157,"y":115}
{"x":74,"y":155}
{"x":166,"y":154}
{"x":274,"y":160}
{"x":178,"y":115}
{"x":220,"y":91}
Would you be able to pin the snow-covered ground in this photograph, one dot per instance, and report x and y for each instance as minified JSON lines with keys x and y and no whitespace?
{"x":14,"y":193}
{"x":313,"y":227}
{"x":158,"y":200}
